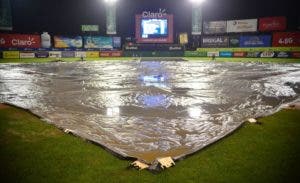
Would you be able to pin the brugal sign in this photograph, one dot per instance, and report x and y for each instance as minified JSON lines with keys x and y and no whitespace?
{"x":160,"y":14}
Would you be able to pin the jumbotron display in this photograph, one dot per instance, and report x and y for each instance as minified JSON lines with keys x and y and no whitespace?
{"x":154,"y":28}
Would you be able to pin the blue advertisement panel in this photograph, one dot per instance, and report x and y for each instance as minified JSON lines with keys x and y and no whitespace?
{"x":41,"y":54}
{"x":98,"y":42}
{"x":255,"y":41}
{"x":225,"y":54}
{"x":117,"y":42}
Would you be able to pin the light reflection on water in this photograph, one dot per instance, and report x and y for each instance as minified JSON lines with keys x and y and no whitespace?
{"x":149,"y":109}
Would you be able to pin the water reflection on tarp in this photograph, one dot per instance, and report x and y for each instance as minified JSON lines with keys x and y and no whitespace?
{"x":149,"y":109}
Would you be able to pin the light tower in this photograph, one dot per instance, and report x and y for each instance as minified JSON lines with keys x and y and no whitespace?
{"x":196,"y":17}
{"x":111,"y":27}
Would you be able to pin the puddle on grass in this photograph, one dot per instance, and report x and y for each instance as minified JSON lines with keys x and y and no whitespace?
{"x":150,"y":109}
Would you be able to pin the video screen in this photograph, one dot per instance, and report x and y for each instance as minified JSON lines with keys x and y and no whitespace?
{"x":154,"y":28}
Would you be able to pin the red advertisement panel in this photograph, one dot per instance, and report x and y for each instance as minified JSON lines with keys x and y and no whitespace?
{"x":110,"y":53}
{"x":239,"y":54}
{"x":272,"y":24}
{"x":20,"y":41}
{"x":296,"y":54}
{"x":286,"y":39}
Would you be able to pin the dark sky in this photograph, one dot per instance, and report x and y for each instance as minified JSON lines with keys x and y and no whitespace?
{"x":66,"y":16}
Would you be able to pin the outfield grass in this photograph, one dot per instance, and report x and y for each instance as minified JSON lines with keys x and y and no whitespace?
{"x":33,"y":151}
{"x":44,"y":60}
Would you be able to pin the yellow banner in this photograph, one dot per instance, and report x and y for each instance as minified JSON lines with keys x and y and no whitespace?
{"x":92,"y":54}
{"x":183,"y":38}
{"x":11,"y":54}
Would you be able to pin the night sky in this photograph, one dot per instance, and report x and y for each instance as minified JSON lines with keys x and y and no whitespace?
{"x":65,"y":16}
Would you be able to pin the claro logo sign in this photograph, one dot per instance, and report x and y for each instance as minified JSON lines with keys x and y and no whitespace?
{"x":148,"y":14}
{"x":20,"y":41}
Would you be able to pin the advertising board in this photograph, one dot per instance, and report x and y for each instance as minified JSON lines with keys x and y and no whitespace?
{"x":234,"y":41}
{"x":214,"y":41}
{"x":79,"y":54}
{"x":239,"y":54}
{"x":195,"y":54}
{"x":20,"y":41}
{"x":214,"y":27}
{"x":55,"y":54}
{"x":116,"y":42}
{"x":296,"y":54}
{"x":247,"y":25}
{"x":213,"y":53}
{"x":92,"y":54}
{"x":110,"y":53}
{"x":154,"y":28}
{"x":68,"y":54}
{"x":67,"y":42}
{"x":254,"y":54}
{"x":183,"y":38}
{"x":267,"y":54}
{"x":41,"y":54}
{"x":255,"y":41}
{"x":286,"y":39}
{"x":272,"y":24}
{"x":99,"y":42}
{"x":27,"y":55}
{"x":89,"y":28}
{"x":11,"y":54}
{"x":225,"y":54}
{"x":282,"y":54}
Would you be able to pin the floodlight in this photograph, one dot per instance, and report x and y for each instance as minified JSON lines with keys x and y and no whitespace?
{"x":110,"y":1}
{"x":197,"y":1}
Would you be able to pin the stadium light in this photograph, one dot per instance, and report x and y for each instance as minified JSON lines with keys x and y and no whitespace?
{"x":197,"y":1}
{"x":110,"y":1}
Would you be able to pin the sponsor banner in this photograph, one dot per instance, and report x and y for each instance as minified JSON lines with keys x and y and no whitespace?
{"x":214,"y":27}
{"x":255,"y":41}
{"x":267,"y":54}
{"x":99,"y":42}
{"x":234,"y":41}
{"x":20,"y":41}
{"x":282,"y":54}
{"x":247,"y":25}
{"x":79,"y":54}
{"x":111,"y":19}
{"x":55,"y":54}
{"x":11,"y":54}
{"x":183,"y":38}
{"x":286,"y":39}
{"x":154,"y":47}
{"x":68,"y":54}
{"x":67,"y":42}
{"x":116,"y":42}
{"x":196,"y":20}
{"x":272,"y":24}
{"x":213,"y":53}
{"x":214,"y":41}
{"x":92,"y":54}
{"x":5,"y":15}
{"x":27,"y":55}
{"x":254,"y":54}
{"x":225,"y":54}
{"x":239,"y":54}
{"x":89,"y":28}
{"x":42,"y":54}
{"x":296,"y":54}
{"x":110,"y":53}
{"x":195,"y":54}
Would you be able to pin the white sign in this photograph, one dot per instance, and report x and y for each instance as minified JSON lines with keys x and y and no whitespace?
{"x":148,"y":14}
{"x":79,"y":54}
{"x":213,"y":53}
{"x":27,"y":55}
{"x":247,"y":25}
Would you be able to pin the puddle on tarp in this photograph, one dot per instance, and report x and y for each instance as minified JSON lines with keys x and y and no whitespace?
{"x":149,"y":109}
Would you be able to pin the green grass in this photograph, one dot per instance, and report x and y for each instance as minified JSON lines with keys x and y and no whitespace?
{"x":251,"y":49}
{"x":33,"y":151}
{"x":44,"y":60}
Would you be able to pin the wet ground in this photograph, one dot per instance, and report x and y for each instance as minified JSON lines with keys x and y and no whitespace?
{"x":150,"y":109}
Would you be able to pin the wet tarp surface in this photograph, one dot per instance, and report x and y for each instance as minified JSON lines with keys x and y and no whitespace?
{"x":149,"y":109}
